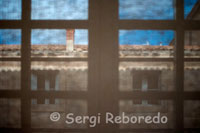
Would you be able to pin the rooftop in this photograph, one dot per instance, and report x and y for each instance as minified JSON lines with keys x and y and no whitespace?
{"x":82,"y":50}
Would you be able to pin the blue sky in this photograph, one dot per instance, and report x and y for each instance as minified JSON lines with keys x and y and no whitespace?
{"x":146,"y":37}
{"x":146,"y":9}
{"x":59,"y":9}
{"x":78,"y":10}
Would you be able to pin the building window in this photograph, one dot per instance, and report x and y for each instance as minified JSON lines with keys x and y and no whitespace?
{"x":45,"y":80}
{"x":144,"y":81}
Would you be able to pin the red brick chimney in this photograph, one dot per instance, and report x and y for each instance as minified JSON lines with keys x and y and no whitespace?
{"x":70,"y":40}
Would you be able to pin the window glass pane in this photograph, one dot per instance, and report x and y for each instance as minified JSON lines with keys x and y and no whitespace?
{"x":10,"y":9}
{"x":10,"y":42}
{"x":191,"y":71}
{"x":59,"y":9}
{"x":59,"y":76}
{"x":146,"y":37}
{"x":192,"y":44}
{"x":42,"y":112}
{"x":192,"y":76}
{"x":10,"y":110}
{"x":146,"y":76}
{"x":10,"y":73}
{"x":141,"y":75}
{"x":146,"y":43}
{"x":136,"y":114}
{"x":192,"y":114}
{"x":147,"y":9}
{"x":59,"y":42}
{"x":191,"y":9}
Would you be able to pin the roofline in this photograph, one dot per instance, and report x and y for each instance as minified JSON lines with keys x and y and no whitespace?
{"x":194,"y":10}
{"x":85,"y":47}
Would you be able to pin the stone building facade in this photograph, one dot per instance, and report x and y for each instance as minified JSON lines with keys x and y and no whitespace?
{"x":72,"y":76}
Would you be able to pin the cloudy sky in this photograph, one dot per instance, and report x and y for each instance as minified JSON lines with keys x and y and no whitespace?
{"x":78,"y":10}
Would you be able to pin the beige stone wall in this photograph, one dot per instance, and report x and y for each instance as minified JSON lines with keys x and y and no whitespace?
{"x":10,"y":111}
{"x":192,"y":80}
{"x":73,"y":80}
{"x":192,"y":114}
{"x":192,"y":37}
{"x":10,"y":80}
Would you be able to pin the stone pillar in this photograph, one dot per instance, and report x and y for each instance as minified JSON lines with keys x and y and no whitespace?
{"x":70,"y":40}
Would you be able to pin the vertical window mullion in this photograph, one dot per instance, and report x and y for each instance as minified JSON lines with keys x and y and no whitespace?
{"x":179,"y":66}
{"x":109,"y":60}
{"x":25,"y":67}
{"x":93,"y":59}
{"x":103,"y":60}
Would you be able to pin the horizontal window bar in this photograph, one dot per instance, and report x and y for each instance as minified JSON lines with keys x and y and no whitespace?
{"x":191,"y":95}
{"x":158,"y":95}
{"x":157,"y":130}
{"x":84,"y":24}
{"x":44,"y":24}
{"x":58,"y":130}
{"x":10,"y":94}
{"x":83,"y":95}
{"x":60,"y":94}
{"x":44,"y":94}
{"x":75,"y":24}
{"x":192,"y":59}
{"x":147,"y":95}
{"x":20,"y":130}
{"x":10,"y":59}
{"x":11,"y":130}
{"x":191,"y":25}
{"x":146,"y":130}
{"x":15,"y":24}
